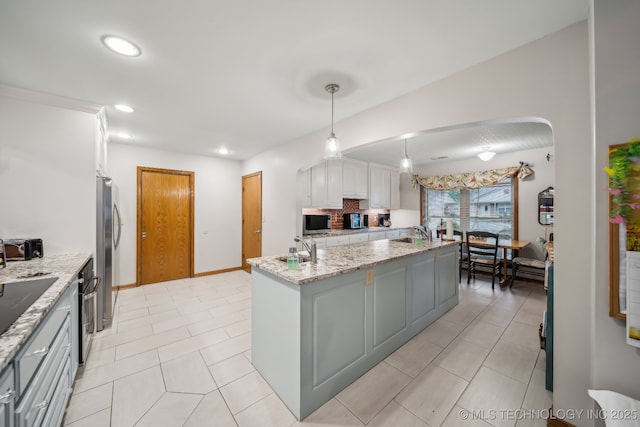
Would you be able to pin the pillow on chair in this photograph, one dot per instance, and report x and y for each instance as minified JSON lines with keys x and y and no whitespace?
{"x":618,"y":410}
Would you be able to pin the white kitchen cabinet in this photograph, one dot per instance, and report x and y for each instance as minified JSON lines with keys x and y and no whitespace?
{"x":303,"y":188}
{"x":405,"y":232}
{"x":358,"y":238}
{"x":395,"y":190}
{"x":392,"y":234}
{"x":337,"y":241}
{"x":377,"y":235}
{"x":326,"y":185}
{"x":379,"y":188}
{"x":355,"y":179}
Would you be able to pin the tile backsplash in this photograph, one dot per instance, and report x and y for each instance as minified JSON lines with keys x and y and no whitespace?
{"x":348,"y":206}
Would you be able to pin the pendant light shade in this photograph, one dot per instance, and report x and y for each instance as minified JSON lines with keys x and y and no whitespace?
{"x":486,"y":155}
{"x":405,"y":161}
{"x":332,"y":146}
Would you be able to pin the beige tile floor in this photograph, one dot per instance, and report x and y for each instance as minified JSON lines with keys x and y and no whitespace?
{"x":179,"y":354}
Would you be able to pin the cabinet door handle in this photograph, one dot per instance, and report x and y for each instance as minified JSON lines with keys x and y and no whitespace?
{"x":65,"y":308}
{"x":42,"y":352}
{"x":42,"y":405}
{"x":7,"y":397}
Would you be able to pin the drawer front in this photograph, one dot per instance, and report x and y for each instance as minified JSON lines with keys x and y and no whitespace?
{"x":7,"y":397}
{"x":357,"y":238}
{"x":39,"y":345}
{"x":58,"y":400}
{"x":37,"y":398}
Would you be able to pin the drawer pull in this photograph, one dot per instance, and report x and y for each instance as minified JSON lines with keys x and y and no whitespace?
{"x":42,"y":405}
{"x":42,"y":352}
{"x":7,"y":397}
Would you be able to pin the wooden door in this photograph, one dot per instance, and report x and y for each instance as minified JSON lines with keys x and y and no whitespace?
{"x":165,"y":225}
{"x":251,"y":218}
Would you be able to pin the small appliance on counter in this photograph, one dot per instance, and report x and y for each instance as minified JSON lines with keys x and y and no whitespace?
{"x":314,"y":224}
{"x":384,"y":220}
{"x":354,"y":221}
{"x":23,"y":249}
{"x":3,"y":261}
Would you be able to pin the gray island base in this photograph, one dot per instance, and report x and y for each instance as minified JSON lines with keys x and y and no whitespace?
{"x":317,"y":329}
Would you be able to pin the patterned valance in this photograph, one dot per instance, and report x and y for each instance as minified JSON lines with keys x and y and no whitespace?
{"x":472,"y":179}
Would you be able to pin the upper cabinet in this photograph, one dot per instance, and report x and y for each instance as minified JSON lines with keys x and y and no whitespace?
{"x":384,"y":188}
{"x":324,"y":185}
{"x":321,"y":186}
{"x":355,"y":179}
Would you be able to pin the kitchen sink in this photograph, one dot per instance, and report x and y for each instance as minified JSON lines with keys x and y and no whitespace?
{"x":303,"y":258}
{"x":403,"y":240}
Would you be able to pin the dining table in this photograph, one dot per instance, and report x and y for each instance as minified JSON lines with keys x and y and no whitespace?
{"x":505,"y":245}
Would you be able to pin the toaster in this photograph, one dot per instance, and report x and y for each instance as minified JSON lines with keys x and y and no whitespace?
{"x":23,"y":249}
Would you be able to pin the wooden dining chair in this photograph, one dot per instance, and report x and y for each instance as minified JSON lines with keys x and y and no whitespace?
{"x":464,"y":258}
{"x":482,"y":252}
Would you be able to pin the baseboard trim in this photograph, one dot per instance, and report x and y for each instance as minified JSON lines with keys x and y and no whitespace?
{"x":206,"y":273}
{"x":557,"y":422}
{"x":211,"y":273}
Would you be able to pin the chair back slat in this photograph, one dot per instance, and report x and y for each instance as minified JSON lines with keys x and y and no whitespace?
{"x":482,"y":244}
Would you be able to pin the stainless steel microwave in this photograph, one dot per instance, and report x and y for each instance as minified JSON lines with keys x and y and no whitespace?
{"x":316,"y":223}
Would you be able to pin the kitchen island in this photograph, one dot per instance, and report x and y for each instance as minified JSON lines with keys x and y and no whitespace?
{"x":317,"y":329}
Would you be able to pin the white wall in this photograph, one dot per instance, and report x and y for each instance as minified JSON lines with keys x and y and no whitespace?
{"x":528,"y":189}
{"x":47,"y":174}
{"x":218,"y":206}
{"x":548,"y":78}
{"x":616,"y":365}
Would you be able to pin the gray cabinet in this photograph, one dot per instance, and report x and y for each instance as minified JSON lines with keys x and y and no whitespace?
{"x":7,"y":397}
{"x":43,"y":368}
{"x":310,"y":341}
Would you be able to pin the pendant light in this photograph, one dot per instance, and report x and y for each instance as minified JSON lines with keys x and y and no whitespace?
{"x":485,"y":154}
{"x":405,"y":162}
{"x":332,"y":146}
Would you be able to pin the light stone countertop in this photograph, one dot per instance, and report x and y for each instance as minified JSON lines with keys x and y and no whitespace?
{"x":343,"y":259}
{"x":65,"y":267}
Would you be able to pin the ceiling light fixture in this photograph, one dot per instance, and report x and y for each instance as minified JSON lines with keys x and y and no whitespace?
{"x":124,"y":135}
{"x":124,"y":108}
{"x":485,"y":154}
{"x":223,"y":151}
{"x":332,"y":146}
{"x":121,"y":46}
{"x":405,"y":162}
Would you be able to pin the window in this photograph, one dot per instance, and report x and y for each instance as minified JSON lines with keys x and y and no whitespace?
{"x":492,"y":208}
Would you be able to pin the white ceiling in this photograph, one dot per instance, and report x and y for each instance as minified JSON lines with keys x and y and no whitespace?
{"x":248,"y":75}
{"x":459,"y":142}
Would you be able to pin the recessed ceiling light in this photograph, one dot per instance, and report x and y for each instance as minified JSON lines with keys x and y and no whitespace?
{"x":124,"y":108}
{"x":121,"y":46}
{"x":124,"y":135}
{"x":223,"y":151}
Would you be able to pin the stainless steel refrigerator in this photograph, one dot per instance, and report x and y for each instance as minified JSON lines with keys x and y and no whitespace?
{"x":108,"y":229}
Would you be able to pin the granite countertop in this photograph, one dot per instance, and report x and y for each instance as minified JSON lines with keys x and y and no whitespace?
{"x":343,"y":259}
{"x":65,"y":267}
{"x":339,"y":232}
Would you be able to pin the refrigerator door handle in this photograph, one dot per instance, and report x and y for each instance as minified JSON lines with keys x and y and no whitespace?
{"x":117,"y":219}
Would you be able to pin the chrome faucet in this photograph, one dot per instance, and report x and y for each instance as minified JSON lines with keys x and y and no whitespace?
{"x":311,"y":248}
{"x":425,"y":232}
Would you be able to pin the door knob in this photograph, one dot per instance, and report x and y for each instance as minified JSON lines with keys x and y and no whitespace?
{"x":144,"y":234}
{"x":257,"y":231}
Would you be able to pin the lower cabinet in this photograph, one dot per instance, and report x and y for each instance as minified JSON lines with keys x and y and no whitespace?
{"x":7,"y":397}
{"x":311,"y":341}
{"x":44,"y":368}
